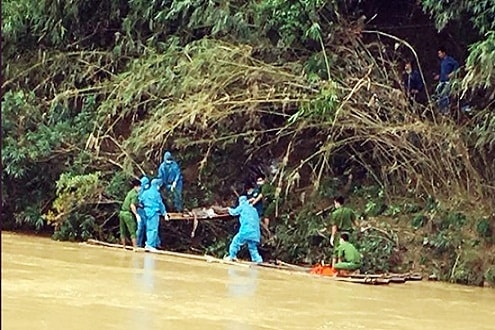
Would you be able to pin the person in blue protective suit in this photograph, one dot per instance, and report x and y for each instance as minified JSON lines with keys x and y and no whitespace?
{"x":153,"y":209}
{"x":249,"y":231}
{"x":171,"y":176}
{"x":141,"y":224}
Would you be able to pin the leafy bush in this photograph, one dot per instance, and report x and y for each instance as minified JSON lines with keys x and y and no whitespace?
{"x":77,"y":227}
{"x":484,"y":228}
{"x":292,"y":21}
{"x":30,"y":217}
{"x":392,"y":210}
{"x":375,"y":200}
{"x":441,"y":243}
{"x":419,"y":221}
{"x":380,"y":252}
{"x":302,"y":238}
{"x":490,"y":275}
{"x":219,"y":247}
{"x":72,"y":209}
{"x":118,"y":185}
{"x":322,"y":107}
{"x":469,"y":269}
{"x":454,"y":220}
{"x":408,"y":208}
{"x":375,"y":207}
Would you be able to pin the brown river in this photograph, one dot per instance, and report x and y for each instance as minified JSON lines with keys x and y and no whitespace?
{"x":53,"y":285}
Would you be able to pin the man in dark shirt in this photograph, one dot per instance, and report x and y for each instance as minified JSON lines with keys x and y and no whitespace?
{"x":448,"y":68}
{"x":412,"y":81}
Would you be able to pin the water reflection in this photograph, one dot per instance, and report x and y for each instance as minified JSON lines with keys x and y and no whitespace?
{"x":149,"y":272}
{"x":233,"y":325}
{"x":242,"y":283}
{"x":145,"y":285}
{"x":145,"y":276}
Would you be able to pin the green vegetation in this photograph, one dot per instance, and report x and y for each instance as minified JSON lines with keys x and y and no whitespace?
{"x":94,"y":92}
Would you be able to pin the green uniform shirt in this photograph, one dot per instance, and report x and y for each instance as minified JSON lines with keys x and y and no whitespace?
{"x":343,"y":218}
{"x":348,"y":253}
{"x":268,"y":192}
{"x":269,"y":206}
{"x":130,"y":198}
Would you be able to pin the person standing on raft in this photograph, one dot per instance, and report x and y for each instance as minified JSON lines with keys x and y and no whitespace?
{"x":153,"y":208}
{"x":141,"y":223}
{"x":127,"y":214}
{"x":249,"y":231}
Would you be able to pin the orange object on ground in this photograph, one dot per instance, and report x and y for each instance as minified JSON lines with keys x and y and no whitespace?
{"x":323,"y":270}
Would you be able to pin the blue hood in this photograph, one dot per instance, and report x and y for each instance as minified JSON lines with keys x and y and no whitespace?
{"x":144,"y":180}
{"x":157,"y":183}
{"x":167,"y":156}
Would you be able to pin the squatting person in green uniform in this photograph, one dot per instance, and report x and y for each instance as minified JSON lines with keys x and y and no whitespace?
{"x":342,"y":219}
{"x":349,"y":258}
{"x":127,"y":214}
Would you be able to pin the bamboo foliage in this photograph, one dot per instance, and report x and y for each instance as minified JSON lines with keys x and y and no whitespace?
{"x":302,"y":86}
{"x":217,"y":92}
{"x":479,"y":66}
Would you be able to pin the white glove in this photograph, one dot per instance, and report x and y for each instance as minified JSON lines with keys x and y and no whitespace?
{"x":167,"y":217}
{"x":138,"y":218}
{"x":172,"y":188}
{"x":331,"y":240}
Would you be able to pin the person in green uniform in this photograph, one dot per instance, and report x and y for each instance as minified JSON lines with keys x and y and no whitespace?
{"x":267,"y":200}
{"x":127,"y":214}
{"x":349,"y":258}
{"x":342,"y":219}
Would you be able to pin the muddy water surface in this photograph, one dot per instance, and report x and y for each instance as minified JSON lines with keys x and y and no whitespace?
{"x":53,"y":285}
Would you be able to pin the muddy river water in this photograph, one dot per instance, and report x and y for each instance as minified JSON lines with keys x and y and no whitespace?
{"x":53,"y":285}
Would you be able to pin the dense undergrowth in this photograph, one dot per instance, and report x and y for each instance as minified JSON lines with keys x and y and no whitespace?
{"x":231,"y":88}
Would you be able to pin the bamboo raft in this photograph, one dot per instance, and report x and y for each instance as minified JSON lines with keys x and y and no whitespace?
{"x":373,"y":279}
{"x":392,"y":277}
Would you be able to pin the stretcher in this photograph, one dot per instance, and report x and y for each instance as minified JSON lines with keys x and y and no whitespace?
{"x":196,"y":215}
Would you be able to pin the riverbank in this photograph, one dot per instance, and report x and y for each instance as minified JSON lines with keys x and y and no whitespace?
{"x":402,"y":235}
{"x":395,"y":237}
